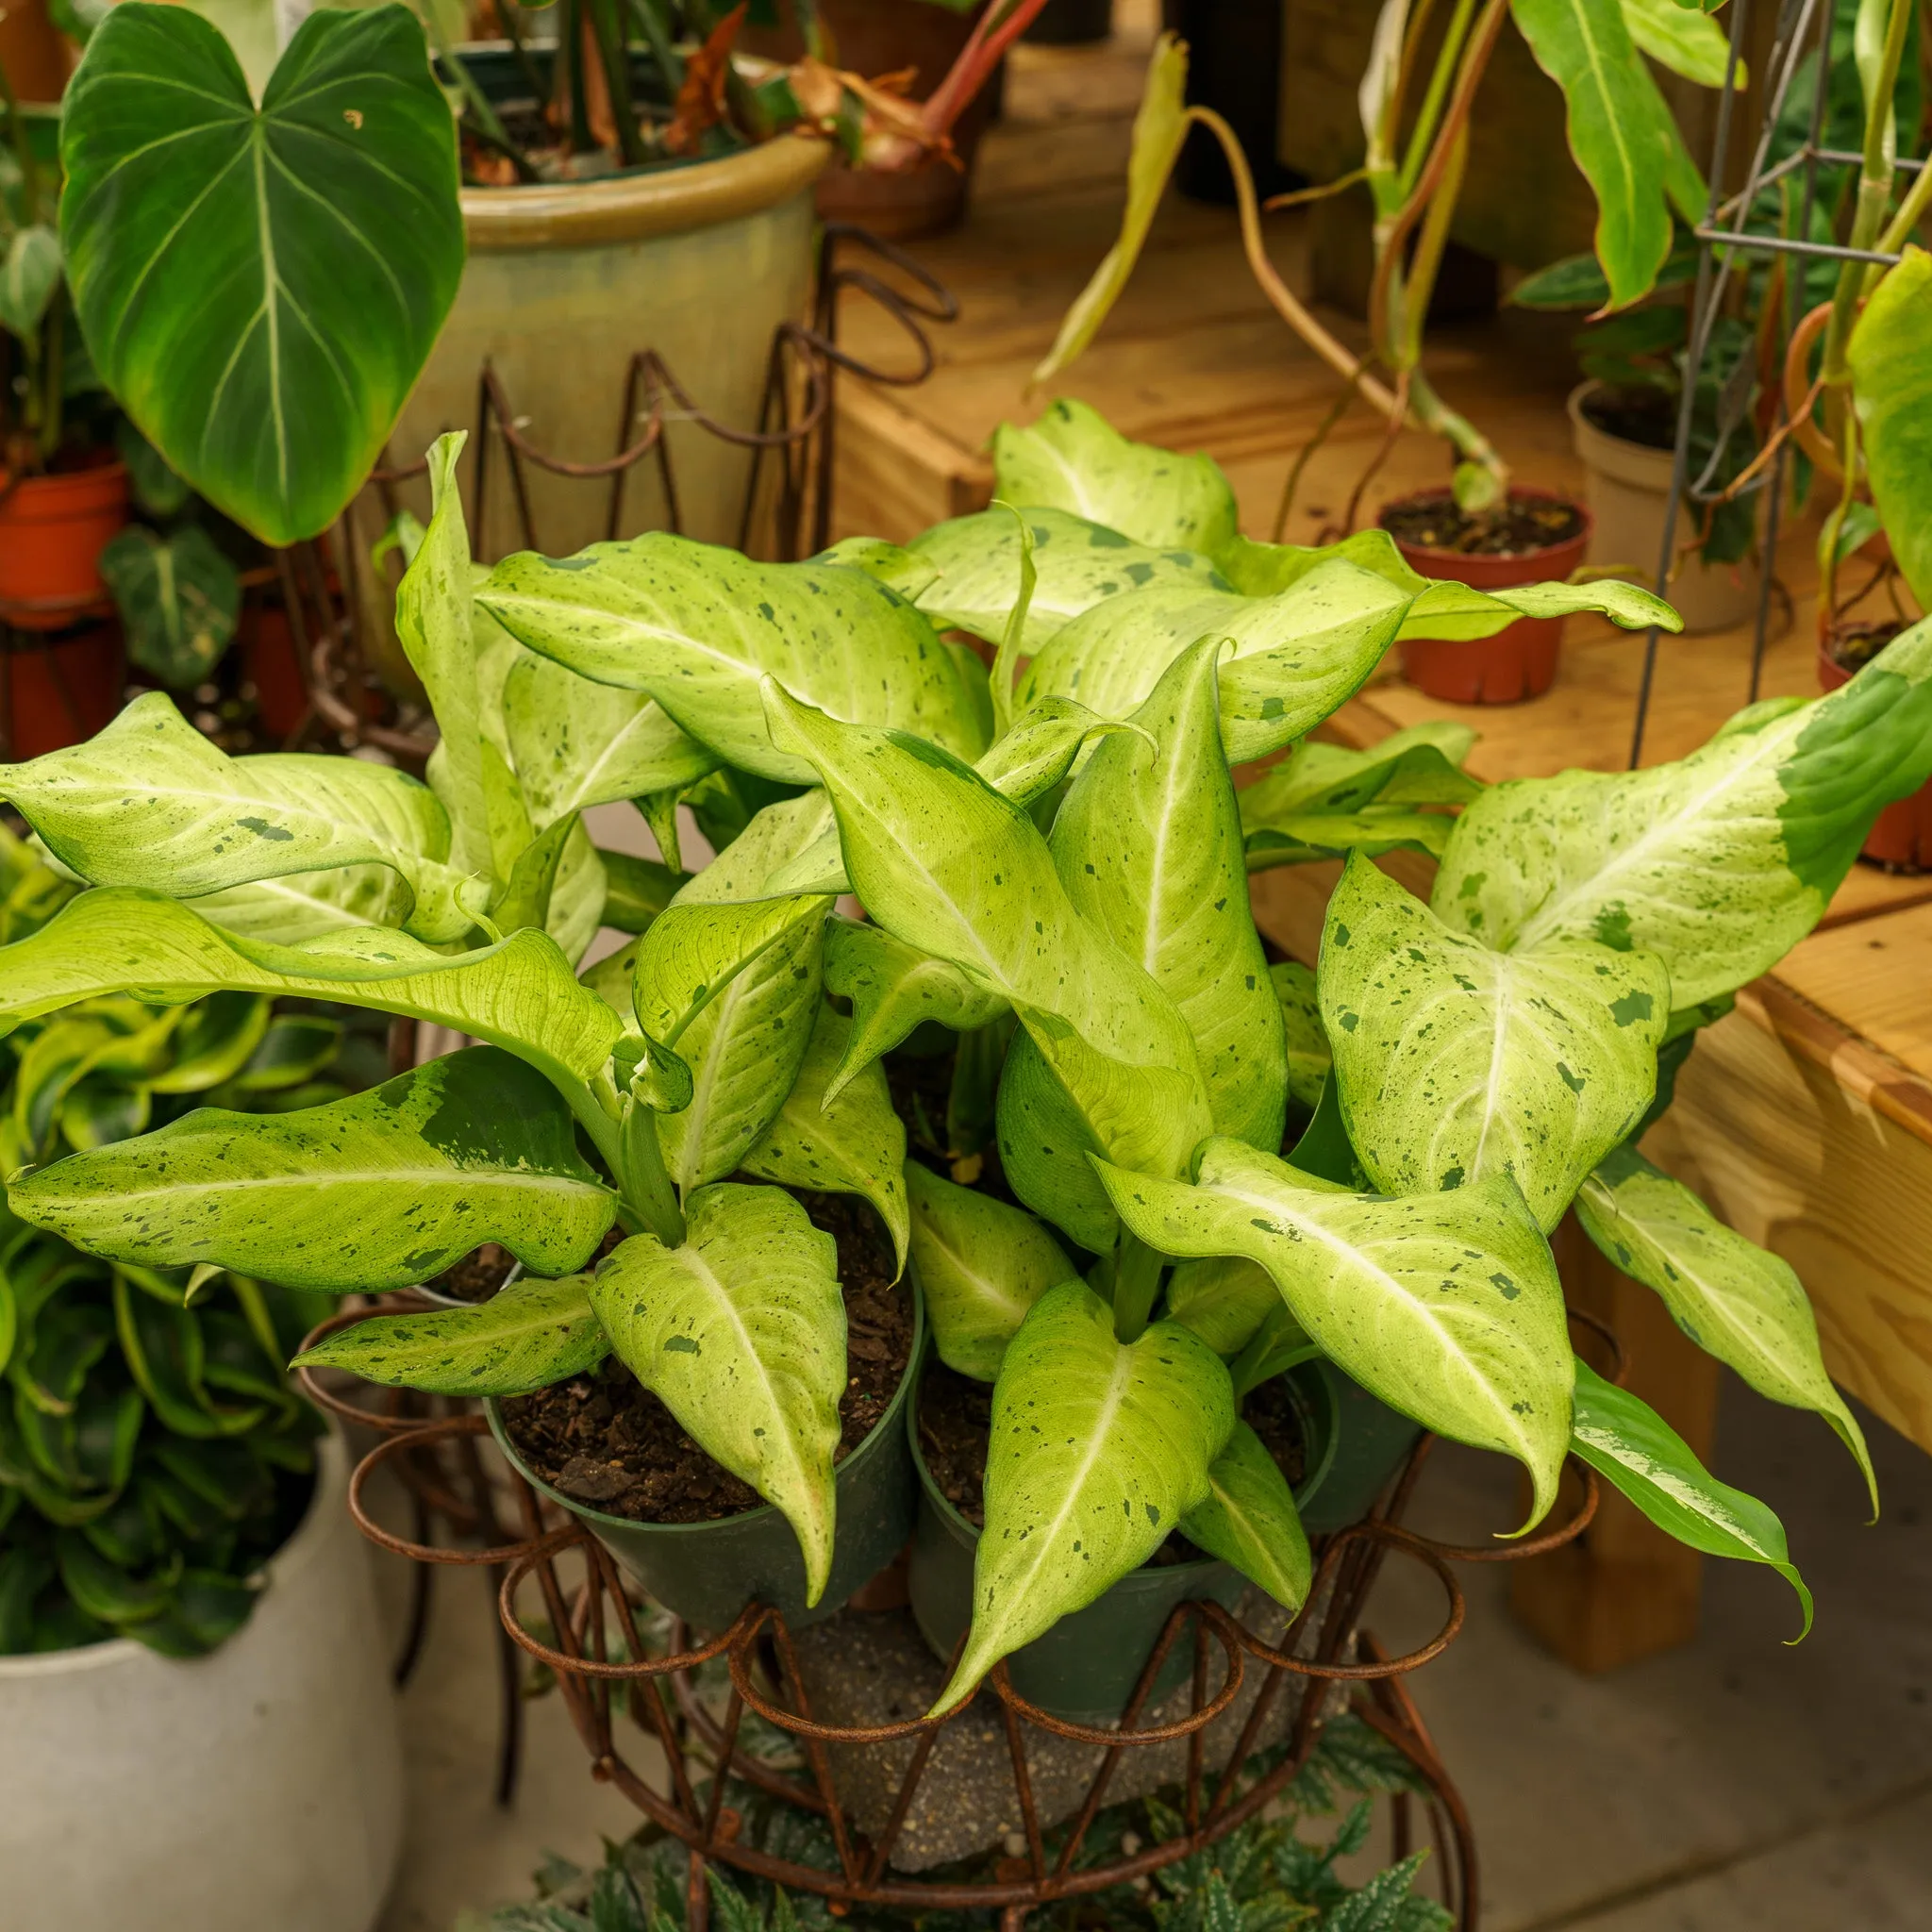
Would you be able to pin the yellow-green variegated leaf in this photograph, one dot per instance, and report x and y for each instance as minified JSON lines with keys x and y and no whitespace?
{"x":1076,"y":565}
{"x":877,"y":559}
{"x":1718,"y":863}
{"x":741,"y":1334}
{"x":981,"y":1263}
{"x":950,"y":868}
{"x":1734,"y":1300}
{"x":309,"y":904}
{"x":1459,"y":1064}
{"x":1039,"y":748}
{"x":380,"y":1191}
{"x":1891,"y":359}
{"x":1446,"y":1306}
{"x":1250,"y":1520}
{"x":893,"y":989}
{"x":1223,"y":1299}
{"x":519,"y":993}
{"x":848,"y":1143}
{"x":1306,"y":840}
{"x":1074,"y":458}
{"x":1148,"y":844}
{"x":1308,"y":1058}
{"x":1418,"y":766}
{"x":526,"y":1335}
{"x":150,"y":802}
{"x":1098,"y":1450}
{"x":697,"y":627}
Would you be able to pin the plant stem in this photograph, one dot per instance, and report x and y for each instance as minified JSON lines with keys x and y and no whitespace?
{"x":1420,"y":288}
{"x":1136,"y":1283}
{"x":614,"y":52}
{"x":1834,"y":525}
{"x":570,"y":44}
{"x":1264,"y":1358}
{"x":670,"y":61}
{"x":1874,"y":189}
{"x":646,"y":1186}
{"x":1430,"y":112}
{"x":52,"y":370}
{"x":513,"y":33}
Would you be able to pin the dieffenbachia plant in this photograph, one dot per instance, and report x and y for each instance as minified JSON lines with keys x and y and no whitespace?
{"x":1052,"y":864}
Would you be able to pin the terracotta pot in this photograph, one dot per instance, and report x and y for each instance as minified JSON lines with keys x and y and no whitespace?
{"x":51,"y":531}
{"x":271,"y":665}
{"x":1901,"y":840}
{"x":1519,"y":662}
{"x":60,"y":693}
{"x":875,"y":37}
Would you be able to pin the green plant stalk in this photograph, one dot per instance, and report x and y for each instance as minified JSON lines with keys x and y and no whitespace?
{"x":1136,"y":1285}
{"x":1834,"y":525}
{"x":670,"y":61}
{"x":513,"y":33}
{"x":1420,"y":287}
{"x":640,"y":1174}
{"x":1875,"y":193}
{"x":477,"y":104}
{"x":570,"y":36}
{"x":612,"y":50}
{"x":52,"y":373}
{"x":1430,"y":113}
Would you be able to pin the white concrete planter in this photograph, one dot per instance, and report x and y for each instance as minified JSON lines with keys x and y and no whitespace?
{"x":1627,"y":486}
{"x":255,"y":1790}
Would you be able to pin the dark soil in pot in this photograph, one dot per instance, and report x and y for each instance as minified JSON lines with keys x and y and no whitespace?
{"x":605,"y":1439}
{"x":1646,"y":416}
{"x":1901,"y":840}
{"x":476,"y":1277}
{"x":1527,"y":524}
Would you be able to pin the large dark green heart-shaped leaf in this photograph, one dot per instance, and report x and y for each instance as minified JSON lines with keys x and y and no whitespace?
{"x":260,"y":287}
{"x":178,"y":598}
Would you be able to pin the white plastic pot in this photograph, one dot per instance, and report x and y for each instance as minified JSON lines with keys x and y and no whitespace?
{"x":1627,"y":487}
{"x":255,"y":1790}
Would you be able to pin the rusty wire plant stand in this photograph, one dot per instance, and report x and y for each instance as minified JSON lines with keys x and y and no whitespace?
{"x":603,"y":1665}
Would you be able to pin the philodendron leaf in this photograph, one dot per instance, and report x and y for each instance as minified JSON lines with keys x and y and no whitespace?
{"x":848,"y":1143}
{"x":1891,"y":380}
{"x":1718,"y":863}
{"x":271,"y":382}
{"x":1076,"y":565}
{"x":981,"y":1263}
{"x":519,"y":993}
{"x":1446,"y":1306}
{"x":1074,"y":458}
{"x":380,"y":1191}
{"x":1626,"y":1442}
{"x":1098,"y":1449}
{"x":1148,"y":845}
{"x":1459,"y":1064}
{"x":29,"y":278}
{"x":177,"y":598}
{"x":892,"y":989}
{"x":148,"y":800}
{"x":696,"y":627}
{"x":951,"y":867}
{"x":1308,"y":1058}
{"x":1223,"y":1299}
{"x":741,"y":1334}
{"x":1734,"y":1300}
{"x":526,"y":1335}
{"x":1250,"y":1520}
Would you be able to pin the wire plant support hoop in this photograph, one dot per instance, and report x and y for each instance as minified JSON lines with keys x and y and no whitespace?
{"x":594,"y":1642}
{"x":1737,"y":226}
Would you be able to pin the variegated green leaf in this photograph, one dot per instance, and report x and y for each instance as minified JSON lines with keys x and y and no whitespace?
{"x":1418,"y":766}
{"x":526,"y":1335}
{"x":309,"y":904}
{"x":1249,"y":1520}
{"x":1308,"y":1058}
{"x":1039,"y":750}
{"x":1446,"y":1306}
{"x":1072,"y":459}
{"x":150,"y":802}
{"x":1891,"y":380}
{"x":981,"y":1263}
{"x":1718,"y":863}
{"x":850,"y":1143}
{"x":1098,"y":1450}
{"x":1377,"y":829}
{"x":888,"y":563}
{"x":380,"y":1191}
{"x":740,"y":1333}
{"x":1223,"y":1299}
{"x":696,"y":627}
{"x":1734,"y":1300}
{"x":1459,"y":1064}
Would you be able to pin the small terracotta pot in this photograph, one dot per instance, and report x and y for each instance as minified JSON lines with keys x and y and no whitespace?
{"x":60,"y":693}
{"x":51,"y":532}
{"x":1519,"y":662}
{"x":1901,"y":840}
{"x":269,"y":661}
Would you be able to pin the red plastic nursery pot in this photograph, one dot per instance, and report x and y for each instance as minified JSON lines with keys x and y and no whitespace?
{"x":1901,"y":840}
{"x":269,"y":658}
{"x":1519,"y":662}
{"x":61,"y":692}
{"x":51,"y":532}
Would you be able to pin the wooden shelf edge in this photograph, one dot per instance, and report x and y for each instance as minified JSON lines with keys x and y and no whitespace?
{"x":1867,"y":1072}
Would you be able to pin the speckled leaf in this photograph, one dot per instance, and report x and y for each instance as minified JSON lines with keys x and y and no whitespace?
{"x":1626,"y":1442}
{"x":1078,"y":564}
{"x":518,"y":994}
{"x":848,"y":1143}
{"x":306,"y":905}
{"x":981,"y":1263}
{"x":1308,"y":1058}
{"x":1148,"y":844}
{"x":1734,"y":1300}
{"x":380,"y":1191}
{"x":1223,"y":1299}
{"x":888,"y":563}
{"x":1718,"y":863}
{"x":1891,"y":353}
{"x":1445,"y":1305}
{"x":150,"y":802}
{"x":1098,"y":1450}
{"x":1373,"y":831}
{"x":1250,"y":1520}
{"x":526,"y":1335}
{"x":1039,"y":749}
{"x":697,"y":627}
{"x":1459,"y":1064}
{"x":1074,"y":458}
{"x":951,"y":867}
{"x":1418,"y":766}
{"x":892,"y":989}
{"x":741,"y":1334}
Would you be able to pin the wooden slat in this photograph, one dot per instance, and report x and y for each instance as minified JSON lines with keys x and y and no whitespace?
{"x":1875,"y":977}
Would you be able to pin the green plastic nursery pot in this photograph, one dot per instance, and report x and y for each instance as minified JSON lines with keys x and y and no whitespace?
{"x":1367,"y":1442}
{"x":1085,"y":1668}
{"x":706,"y":1572}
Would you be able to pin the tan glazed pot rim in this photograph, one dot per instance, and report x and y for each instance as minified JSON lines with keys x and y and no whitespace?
{"x":631,"y":208}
